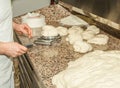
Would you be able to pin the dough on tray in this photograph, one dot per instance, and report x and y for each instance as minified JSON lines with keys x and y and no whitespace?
{"x":49,"y":30}
{"x":98,"y":69}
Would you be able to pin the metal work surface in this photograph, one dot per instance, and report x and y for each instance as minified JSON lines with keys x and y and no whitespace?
{"x":109,"y":9}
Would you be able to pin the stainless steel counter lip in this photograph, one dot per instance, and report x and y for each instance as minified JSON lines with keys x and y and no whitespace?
{"x":33,"y":73}
{"x":30,"y":68}
{"x":24,"y":54}
{"x":95,"y":18}
{"x":109,"y":30}
{"x":28,"y":74}
{"x":108,"y":9}
{"x":24,"y":75}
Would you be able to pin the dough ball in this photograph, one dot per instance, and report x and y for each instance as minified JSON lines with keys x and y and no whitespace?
{"x":75,"y":29}
{"x":100,"y":39}
{"x":93,"y":29}
{"x":62,"y":31}
{"x":82,"y":47}
{"x":86,"y":35}
{"x":49,"y":30}
{"x":72,"y":38}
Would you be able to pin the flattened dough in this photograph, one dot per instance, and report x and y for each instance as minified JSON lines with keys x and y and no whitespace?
{"x":97,"y":69}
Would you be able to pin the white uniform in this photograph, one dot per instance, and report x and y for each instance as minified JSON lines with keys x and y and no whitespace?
{"x":6,"y":35}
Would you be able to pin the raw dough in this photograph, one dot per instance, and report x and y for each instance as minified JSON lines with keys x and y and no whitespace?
{"x":73,"y":20}
{"x":49,"y":30}
{"x":100,"y":39}
{"x":62,"y":31}
{"x":82,"y":47}
{"x":93,"y":29}
{"x":72,"y":38}
{"x":86,"y":35}
{"x":97,"y":69}
{"x":75,"y":29}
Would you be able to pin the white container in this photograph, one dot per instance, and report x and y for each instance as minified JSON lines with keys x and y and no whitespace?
{"x":35,"y":21}
{"x":36,"y":31}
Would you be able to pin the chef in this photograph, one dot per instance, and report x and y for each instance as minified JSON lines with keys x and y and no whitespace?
{"x":9,"y":48}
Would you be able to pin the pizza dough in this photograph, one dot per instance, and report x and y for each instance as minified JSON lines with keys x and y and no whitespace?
{"x":93,"y":29}
{"x":62,"y":31}
{"x":72,"y":38}
{"x":86,"y":35}
{"x":73,"y":20}
{"x":49,"y":30}
{"x":100,"y":39}
{"x":82,"y":47}
{"x":75,"y":29}
{"x":98,"y":69}
{"x":90,"y":32}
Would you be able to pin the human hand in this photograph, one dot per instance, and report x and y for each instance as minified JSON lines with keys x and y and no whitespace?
{"x":23,"y":29}
{"x":12,"y":49}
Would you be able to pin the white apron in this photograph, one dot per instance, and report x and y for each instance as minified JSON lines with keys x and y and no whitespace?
{"x":6,"y":35}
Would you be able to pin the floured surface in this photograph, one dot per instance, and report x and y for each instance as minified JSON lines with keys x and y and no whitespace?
{"x":97,"y":69}
{"x":73,"y":20}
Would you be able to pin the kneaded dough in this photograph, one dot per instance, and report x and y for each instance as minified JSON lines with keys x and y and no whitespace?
{"x":93,"y":29}
{"x":86,"y":35}
{"x":98,"y":69}
{"x":49,"y":30}
{"x":73,"y":20}
{"x":75,"y":29}
{"x":62,"y":31}
{"x":100,"y":39}
{"x":72,"y":38}
{"x":82,"y":47}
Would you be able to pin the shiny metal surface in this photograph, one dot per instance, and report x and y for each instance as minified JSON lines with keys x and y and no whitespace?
{"x":47,"y":40}
{"x":105,"y":8}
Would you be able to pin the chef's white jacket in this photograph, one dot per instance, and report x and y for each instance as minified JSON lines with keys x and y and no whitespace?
{"x":6,"y":35}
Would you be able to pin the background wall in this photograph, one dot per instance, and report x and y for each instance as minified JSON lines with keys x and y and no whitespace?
{"x":23,"y":6}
